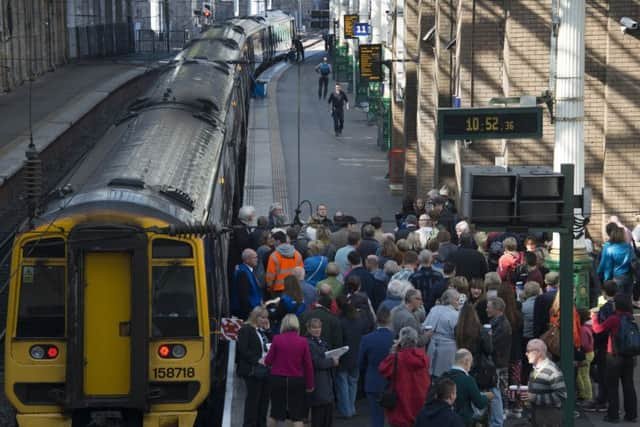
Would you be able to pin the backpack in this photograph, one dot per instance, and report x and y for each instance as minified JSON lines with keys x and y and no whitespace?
{"x":325,"y":69}
{"x":627,"y":342}
{"x":484,"y":371}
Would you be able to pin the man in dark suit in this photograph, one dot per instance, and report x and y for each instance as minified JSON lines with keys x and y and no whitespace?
{"x":367,"y":282}
{"x":245,"y":292}
{"x":543,"y":303}
{"x":374,"y":347}
{"x":469,"y":262}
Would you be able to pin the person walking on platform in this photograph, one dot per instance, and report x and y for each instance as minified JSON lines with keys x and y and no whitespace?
{"x":324,"y":69}
{"x":338,"y":101}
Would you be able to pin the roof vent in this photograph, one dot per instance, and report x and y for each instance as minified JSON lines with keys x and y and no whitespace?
{"x":126,"y":182}
{"x":180,"y":196}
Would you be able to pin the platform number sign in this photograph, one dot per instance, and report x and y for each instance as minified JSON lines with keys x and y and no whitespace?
{"x":361,"y":29}
{"x":349,"y":23}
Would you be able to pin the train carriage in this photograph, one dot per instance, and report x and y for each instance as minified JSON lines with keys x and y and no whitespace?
{"x":117,"y":289}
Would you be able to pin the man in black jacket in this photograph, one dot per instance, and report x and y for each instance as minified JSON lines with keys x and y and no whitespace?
{"x":469,"y":262}
{"x":338,"y":101}
{"x":543,"y":303}
{"x":501,"y":333}
{"x":331,"y":327}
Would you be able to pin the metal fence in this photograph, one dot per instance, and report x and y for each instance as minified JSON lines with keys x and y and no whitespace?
{"x":149,"y":41}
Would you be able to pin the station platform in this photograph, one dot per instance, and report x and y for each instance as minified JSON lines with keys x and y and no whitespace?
{"x":347,"y":173}
{"x":58,"y":100}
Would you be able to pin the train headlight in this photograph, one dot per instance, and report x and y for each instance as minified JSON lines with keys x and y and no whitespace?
{"x":37,"y":352}
{"x":178,"y":351}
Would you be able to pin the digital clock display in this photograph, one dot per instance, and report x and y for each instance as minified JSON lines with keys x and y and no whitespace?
{"x":487,"y":123}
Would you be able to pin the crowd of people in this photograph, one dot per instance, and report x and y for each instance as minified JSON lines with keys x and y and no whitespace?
{"x":428,"y":319}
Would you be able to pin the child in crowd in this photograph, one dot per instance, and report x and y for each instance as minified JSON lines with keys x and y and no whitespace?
{"x":583,"y":380}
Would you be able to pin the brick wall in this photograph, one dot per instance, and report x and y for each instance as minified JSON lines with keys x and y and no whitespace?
{"x":412,"y":15}
{"x":427,"y":101}
{"x":621,"y":186}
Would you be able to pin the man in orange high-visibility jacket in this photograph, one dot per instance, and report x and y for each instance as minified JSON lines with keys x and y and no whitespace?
{"x":281,"y":263}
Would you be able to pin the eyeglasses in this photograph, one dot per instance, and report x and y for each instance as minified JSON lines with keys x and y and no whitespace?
{"x":531,"y":351}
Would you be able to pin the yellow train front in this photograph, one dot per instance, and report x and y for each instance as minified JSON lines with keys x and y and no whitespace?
{"x":111,"y":316}
{"x":108,"y":324}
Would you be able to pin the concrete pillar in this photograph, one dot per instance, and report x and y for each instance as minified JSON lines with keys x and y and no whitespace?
{"x":569,"y":141}
{"x":376,"y":21}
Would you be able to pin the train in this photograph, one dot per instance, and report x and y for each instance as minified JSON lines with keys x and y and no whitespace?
{"x":118,"y":286}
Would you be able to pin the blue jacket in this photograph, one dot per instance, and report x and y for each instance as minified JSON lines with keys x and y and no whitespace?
{"x":245,"y":292}
{"x":314,"y":269}
{"x":615,"y":260}
{"x":374,"y":348}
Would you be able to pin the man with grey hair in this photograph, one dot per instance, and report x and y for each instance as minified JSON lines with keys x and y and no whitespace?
{"x":430,"y":282}
{"x":380,"y":280}
{"x":409,"y":313}
{"x":396,"y":291}
{"x":547,"y":391}
{"x":501,"y":334}
{"x":468,"y":391}
{"x":245,"y":291}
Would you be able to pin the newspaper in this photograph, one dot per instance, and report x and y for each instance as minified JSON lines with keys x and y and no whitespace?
{"x":336,"y":353}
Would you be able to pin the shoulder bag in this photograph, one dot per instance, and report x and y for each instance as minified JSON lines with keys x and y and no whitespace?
{"x":552,"y":339}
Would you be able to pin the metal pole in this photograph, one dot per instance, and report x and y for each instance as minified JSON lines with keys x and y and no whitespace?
{"x":299,"y":125}
{"x":566,"y":297}
{"x":167,"y":23}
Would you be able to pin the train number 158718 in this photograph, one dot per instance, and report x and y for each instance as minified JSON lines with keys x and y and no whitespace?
{"x":162,"y":373}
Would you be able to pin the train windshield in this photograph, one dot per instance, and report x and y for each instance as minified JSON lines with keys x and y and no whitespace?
{"x":174,"y":306}
{"x":41,"y":311}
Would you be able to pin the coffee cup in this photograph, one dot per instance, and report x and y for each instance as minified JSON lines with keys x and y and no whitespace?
{"x":428,"y":327}
{"x":487,"y":326}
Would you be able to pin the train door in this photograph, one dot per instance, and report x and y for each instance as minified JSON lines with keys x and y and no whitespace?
{"x":107,"y":321}
{"x":108,"y":317}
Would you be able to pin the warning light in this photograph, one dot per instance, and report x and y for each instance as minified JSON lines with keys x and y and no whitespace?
{"x":164,"y":351}
{"x":52,"y":352}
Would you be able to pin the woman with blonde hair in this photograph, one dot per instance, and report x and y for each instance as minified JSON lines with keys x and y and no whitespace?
{"x":253,"y":345}
{"x":291,"y":374}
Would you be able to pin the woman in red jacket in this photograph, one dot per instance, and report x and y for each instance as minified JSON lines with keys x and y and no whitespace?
{"x":412,"y":378}
{"x":619,"y":368}
{"x":291,"y":374}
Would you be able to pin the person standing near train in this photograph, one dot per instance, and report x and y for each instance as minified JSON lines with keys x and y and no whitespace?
{"x":338,"y":101}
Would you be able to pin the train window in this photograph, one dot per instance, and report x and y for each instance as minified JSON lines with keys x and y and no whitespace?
{"x":174,"y":308}
{"x":45,"y":248}
{"x":166,"y":248}
{"x":41,"y":309}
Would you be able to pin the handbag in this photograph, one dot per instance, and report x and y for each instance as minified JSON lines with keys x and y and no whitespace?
{"x":389,"y":397}
{"x":552,"y":339}
{"x":259,"y":371}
